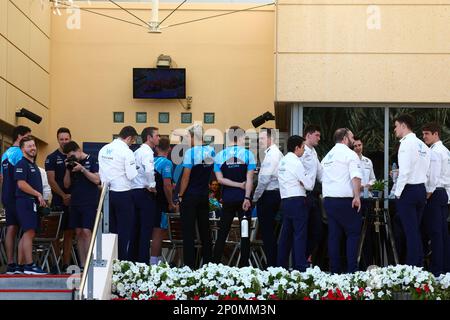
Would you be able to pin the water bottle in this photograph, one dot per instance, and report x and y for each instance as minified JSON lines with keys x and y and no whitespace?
{"x":366,"y":192}
{"x":394,"y":173}
{"x":244,"y":228}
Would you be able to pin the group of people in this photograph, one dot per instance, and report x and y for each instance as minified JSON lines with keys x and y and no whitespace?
{"x":145,"y":185}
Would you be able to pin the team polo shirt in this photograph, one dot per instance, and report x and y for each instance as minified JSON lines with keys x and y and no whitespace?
{"x":200,"y":159}
{"x":29,"y":172}
{"x":9,"y":160}
{"x":293,"y":178}
{"x":163,"y":170}
{"x":234,"y":162}
{"x":145,"y":165}
{"x":55,"y":162}
{"x":84,"y":191}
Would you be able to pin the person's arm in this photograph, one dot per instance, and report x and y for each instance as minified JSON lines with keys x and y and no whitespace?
{"x":372,"y":177}
{"x":248,"y":190}
{"x":356,"y":202}
{"x":55,"y":187}
{"x":305,"y":178}
{"x":268,"y":167}
{"x":186,"y":175}
{"x":168,"y":191}
{"x":67,"y":179}
{"x":405,"y":159}
{"x":93,"y":177}
{"x":229,"y":183}
{"x":25,"y":187}
{"x":149,"y":169}
{"x":433,"y":173}
{"x":130,"y":165}
{"x":354,"y":169}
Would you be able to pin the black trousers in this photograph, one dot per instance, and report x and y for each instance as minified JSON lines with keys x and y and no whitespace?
{"x":267,"y":207}
{"x":230,"y":210}
{"x":195,"y":209}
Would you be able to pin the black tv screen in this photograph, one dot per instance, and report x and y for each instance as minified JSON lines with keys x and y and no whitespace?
{"x":159,"y":83}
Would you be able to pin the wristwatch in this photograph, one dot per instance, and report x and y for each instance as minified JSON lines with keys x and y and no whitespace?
{"x":248,"y":198}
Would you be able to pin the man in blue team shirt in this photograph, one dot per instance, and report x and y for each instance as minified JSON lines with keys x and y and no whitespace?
{"x":234,"y":168}
{"x":56,"y":168}
{"x":9,"y":159}
{"x":83,"y":179}
{"x":28,"y":198}
{"x":164,"y":195}
{"x":194,"y":196}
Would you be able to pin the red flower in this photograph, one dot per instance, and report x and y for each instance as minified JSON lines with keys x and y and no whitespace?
{"x":419,"y":291}
{"x":426,"y":288}
{"x":306,"y":298}
{"x":196,"y":298}
{"x":134,"y":295}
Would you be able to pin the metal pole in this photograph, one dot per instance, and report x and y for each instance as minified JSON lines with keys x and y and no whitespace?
{"x":296,"y":119}
{"x":90,"y":281}
{"x":106,"y":212}
{"x":386,"y":155}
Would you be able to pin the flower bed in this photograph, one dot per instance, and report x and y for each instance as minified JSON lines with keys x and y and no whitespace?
{"x":139,"y":281}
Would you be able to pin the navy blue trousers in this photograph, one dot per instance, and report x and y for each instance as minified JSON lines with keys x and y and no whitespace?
{"x":145,"y":209}
{"x":293,"y":231}
{"x":435,"y":226}
{"x":267,"y":208}
{"x":342,"y":219}
{"x":315,"y":228}
{"x":122,"y":221}
{"x":410,"y":208}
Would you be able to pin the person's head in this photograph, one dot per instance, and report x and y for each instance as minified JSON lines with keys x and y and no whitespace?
{"x":344,"y":136}
{"x":236,"y":135}
{"x":404,"y":124}
{"x":128,"y":134}
{"x":163,"y":148}
{"x":73,"y":149}
{"x":150,"y":136}
{"x":19,"y":133}
{"x":28,"y":147}
{"x":63,"y":135}
{"x":312,"y":135}
{"x":265,"y":137}
{"x":214,"y":186}
{"x":296,"y":144}
{"x":358,"y":145}
{"x":196,"y":135}
{"x":431,"y":133}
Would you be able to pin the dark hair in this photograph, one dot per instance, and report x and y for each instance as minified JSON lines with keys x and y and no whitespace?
{"x":294,"y":141}
{"x":71,"y":146}
{"x":63,"y":130}
{"x":433,"y":127}
{"x":127,"y":131}
{"x":340,"y":134}
{"x":164,"y":144}
{"x":20,"y":131}
{"x":357,"y":138}
{"x":311,"y":128}
{"x":149,"y":131}
{"x":234,"y":133}
{"x":407,"y":119}
{"x":26,"y":139}
{"x":268,"y":131}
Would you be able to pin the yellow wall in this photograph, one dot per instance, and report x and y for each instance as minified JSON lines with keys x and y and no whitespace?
{"x":25,"y":62}
{"x":229,"y":63}
{"x":326,"y":53}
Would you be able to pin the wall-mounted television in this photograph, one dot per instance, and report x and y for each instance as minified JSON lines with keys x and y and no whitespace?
{"x":159,"y":83}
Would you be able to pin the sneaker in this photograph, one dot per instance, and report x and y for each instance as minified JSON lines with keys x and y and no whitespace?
{"x":19,"y":269}
{"x":33,"y":269}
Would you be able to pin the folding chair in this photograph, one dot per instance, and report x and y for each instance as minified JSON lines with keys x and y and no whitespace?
{"x":43,"y":242}
{"x":256,"y":246}
{"x":175,"y":235}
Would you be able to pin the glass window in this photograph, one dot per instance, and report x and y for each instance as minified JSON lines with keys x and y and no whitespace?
{"x":163,"y":117}
{"x":119,"y":117}
{"x":186,"y":117}
{"x":208,"y":117}
{"x":141,"y":117}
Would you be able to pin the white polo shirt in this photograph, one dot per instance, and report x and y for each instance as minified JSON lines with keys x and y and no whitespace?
{"x":268,"y":174}
{"x":340,"y":166}
{"x":439,"y":176}
{"x":294,"y":180}
{"x":368,"y":175}
{"x":413,"y":162}
{"x":145,"y":165}
{"x":311,"y":163}
{"x":117,"y":165}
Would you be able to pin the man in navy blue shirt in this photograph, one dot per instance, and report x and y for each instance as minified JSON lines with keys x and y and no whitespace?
{"x":83,"y":179}
{"x":234,"y":168}
{"x":56,"y":168}
{"x":9,"y":159}
{"x":28,"y":198}
{"x":194,"y":196}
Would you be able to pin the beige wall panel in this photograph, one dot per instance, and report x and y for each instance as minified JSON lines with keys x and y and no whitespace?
{"x":39,"y":84}
{"x":363,"y":2}
{"x":2,"y":99}
{"x":3,"y":56}
{"x":18,"y":68}
{"x":364,"y":78}
{"x":18,"y":29}
{"x":23,"y":5}
{"x":3,"y":16}
{"x":40,"y":48}
{"x":40,"y":14}
{"x":405,"y":29}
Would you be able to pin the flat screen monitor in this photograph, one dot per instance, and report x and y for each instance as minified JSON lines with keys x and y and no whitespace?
{"x":159,"y":83}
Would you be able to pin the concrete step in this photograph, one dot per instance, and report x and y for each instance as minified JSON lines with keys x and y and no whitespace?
{"x":37,"y":287}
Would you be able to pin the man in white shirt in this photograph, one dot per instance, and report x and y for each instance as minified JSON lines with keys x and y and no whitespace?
{"x":341,"y":184}
{"x":312,"y":165}
{"x":143,"y":190}
{"x":368,"y":175}
{"x":118,"y":169}
{"x":294,"y":180}
{"x":414,"y":164}
{"x":435,"y":215}
{"x":267,"y":193}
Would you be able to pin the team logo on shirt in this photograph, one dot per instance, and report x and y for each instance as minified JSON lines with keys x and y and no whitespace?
{"x":109,"y":151}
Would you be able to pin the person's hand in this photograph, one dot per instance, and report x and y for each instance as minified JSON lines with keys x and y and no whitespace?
{"x":152,"y":190}
{"x":78,"y":167}
{"x":246,"y":205}
{"x":356,"y":203}
{"x":173,"y":207}
{"x":429,"y":195}
{"x":66,"y":199}
{"x":41,"y":200}
{"x":242,"y":185}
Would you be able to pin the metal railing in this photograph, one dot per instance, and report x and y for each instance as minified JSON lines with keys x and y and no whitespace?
{"x":88,"y":272}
